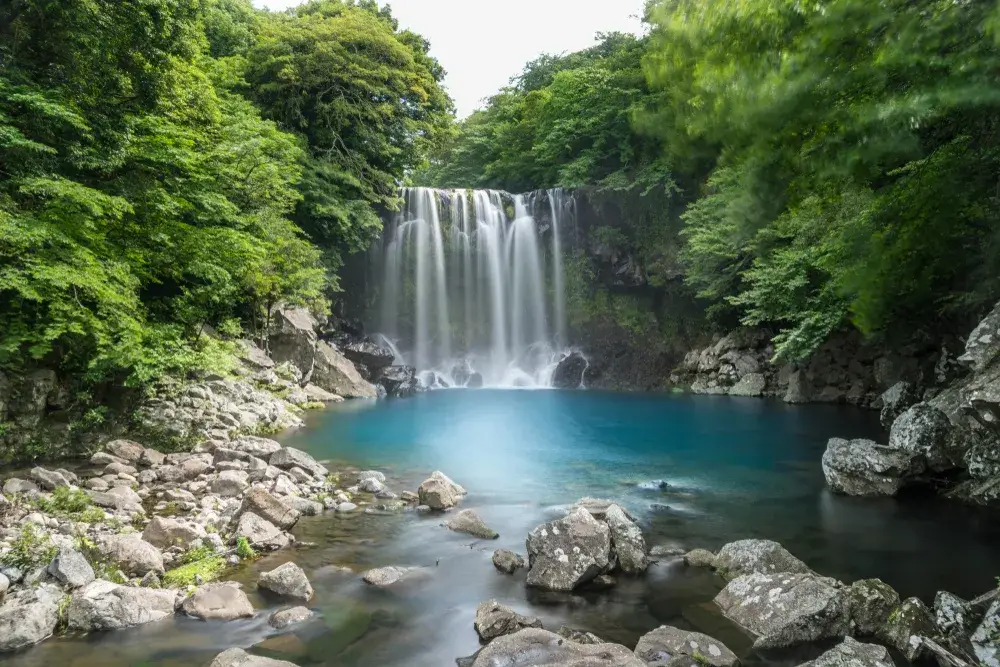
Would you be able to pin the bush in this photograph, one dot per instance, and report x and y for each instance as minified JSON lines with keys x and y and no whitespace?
{"x":31,"y":549}
{"x":66,"y":502}
{"x":186,"y":575}
{"x":244,"y":550}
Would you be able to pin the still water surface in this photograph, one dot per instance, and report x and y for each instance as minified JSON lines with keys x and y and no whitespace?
{"x":733,"y":468}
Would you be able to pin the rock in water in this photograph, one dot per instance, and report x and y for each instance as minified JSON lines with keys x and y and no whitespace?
{"x":756,"y":556}
{"x":905,"y":627}
{"x":786,"y":609}
{"x":569,"y":373}
{"x":566,"y":553}
{"x":864,"y":468}
{"x":218,"y":601}
{"x":468,"y":521}
{"x":387,"y":576}
{"x":368,"y":353}
{"x":627,"y":540}
{"x":266,"y":506}
{"x":398,"y":381}
{"x":507,"y":561}
{"x":535,"y":647}
{"x":28,"y":617}
{"x":986,"y":638}
{"x":896,"y":400}
{"x":288,"y":581}
{"x":335,"y":373}
{"x":102,"y":605}
{"x":439,"y":492}
{"x":666,"y":644}
{"x":752,"y":384}
{"x":923,"y":430}
{"x":871,"y":602}
{"x":852,"y":653}
{"x":699,"y":558}
{"x":237,"y":657}
{"x":579,"y":636}
{"x":260,"y":532}
{"x":495,"y":620}
{"x":283,"y":618}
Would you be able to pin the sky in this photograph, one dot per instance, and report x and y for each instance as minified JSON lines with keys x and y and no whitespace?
{"x":483,"y":43}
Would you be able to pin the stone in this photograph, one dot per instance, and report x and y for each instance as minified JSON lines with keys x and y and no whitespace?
{"x":4,"y":586}
{"x":985,"y":639}
{"x":335,"y":373}
{"x":798,"y":388}
{"x":598,"y":507}
{"x":371,"y":485}
{"x":260,"y":532}
{"x":398,"y":381}
{"x":507,"y":561}
{"x":303,"y":506}
{"x":14,"y":486}
{"x":495,"y":620}
{"x":951,"y":615}
{"x":27,"y":618}
{"x":126,"y":450}
{"x":569,"y":552}
{"x":230,"y":483}
{"x":164,"y":532}
{"x":71,"y":568}
{"x":905,"y":627}
{"x":383,"y":577}
{"x":700,"y":558}
{"x":319,"y":395}
{"x":283,"y":618}
{"x":871,"y":602}
{"x":752,"y":384}
{"x":756,"y":556}
{"x":570,"y":371}
{"x":104,"y":458}
{"x":250,"y":353}
{"x":132,"y":554}
{"x":371,"y":474}
{"x":852,"y":653}
{"x":468,"y":521}
{"x":221,"y":601}
{"x":896,"y":400}
{"x":344,"y":508}
{"x":983,"y":344}
{"x":49,"y":480}
{"x":534,"y":647}
{"x":119,"y":468}
{"x":266,"y":506}
{"x":237,"y":657}
{"x":288,"y":581}
{"x":151,"y":457}
{"x":439,"y":492}
{"x":373,"y":356}
{"x":255,"y":446}
{"x":579,"y":636}
{"x":923,"y":430}
{"x":102,"y":605}
{"x":667,"y":644}
{"x":627,"y":541}
{"x":292,"y":339}
{"x":786,"y":609}
{"x":865,"y":468}
{"x":289,"y":457}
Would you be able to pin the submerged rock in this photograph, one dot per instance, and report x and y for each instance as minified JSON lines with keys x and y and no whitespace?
{"x":237,"y":657}
{"x":700,"y":558}
{"x":667,"y":645}
{"x":288,"y":581}
{"x":864,"y":468}
{"x":507,"y":561}
{"x":535,"y":647}
{"x":756,"y":556}
{"x":283,"y":618}
{"x":852,"y":653}
{"x":569,"y":552}
{"x":786,"y":609}
{"x":468,"y":521}
{"x":219,"y":601}
{"x":495,"y":620}
{"x":383,"y":577}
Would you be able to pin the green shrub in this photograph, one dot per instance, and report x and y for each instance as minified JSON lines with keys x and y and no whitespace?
{"x":31,"y":549}
{"x":196,"y":554}
{"x":65,"y":502}
{"x":186,"y":575}
{"x":244,"y":550}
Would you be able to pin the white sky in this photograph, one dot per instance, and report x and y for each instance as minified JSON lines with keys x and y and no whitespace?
{"x":483,"y":43}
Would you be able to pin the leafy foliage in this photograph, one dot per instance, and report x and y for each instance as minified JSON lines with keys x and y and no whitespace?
{"x":30,"y":549}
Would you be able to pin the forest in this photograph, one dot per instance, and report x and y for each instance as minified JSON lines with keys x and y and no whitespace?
{"x":169,"y":166}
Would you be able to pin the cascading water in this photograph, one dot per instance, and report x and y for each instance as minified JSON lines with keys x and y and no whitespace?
{"x":472,"y":286}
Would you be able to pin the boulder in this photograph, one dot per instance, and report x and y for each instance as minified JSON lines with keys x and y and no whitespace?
{"x":164,"y":532}
{"x":439,"y":492}
{"x":923,"y":430}
{"x":579,"y":636}
{"x":102,"y":605}
{"x":627,"y":541}
{"x":786,"y":609}
{"x":222,"y":601}
{"x":984,"y":342}
{"x":237,"y":657}
{"x":756,"y":556}
{"x":534,"y":647}
{"x":495,"y":620}
{"x":986,"y":638}
{"x":262,"y":448}
{"x":906,"y":626}
{"x":667,"y":645}
{"x":864,"y":468}
{"x":319,"y":395}
{"x":14,"y":486}
{"x":952,"y":615}
{"x":372,"y":356}
{"x":283,"y":618}
{"x":288,"y":581}
{"x":132,"y":554}
{"x":126,"y":450}
{"x":570,"y":371}
{"x":852,"y":653}
{"x":293,"y":339}
{"x":752,"y":384}
{"x":798,"y":388}
{"x":71,"y":568}
{"x":266,"y":506}
{"x":896,"y":400}
{"x":468,"y":521}
{"x":28,"y":617}
{"x":230,"y":483}
{"x":871,"y":602}
{"x":598,"y":507}
{"x":699,"y":558}
{"x":507,"y":561}
{"x":335,"y":373}
{"x":383,"y":577}
{"x":303,"y":506}
{"x":151,"y":457}
{"x":566,"y":553}
{"x":49,"y":480}
{"x":398,"y":381}
{"x":260,"y":532}
{"x":287,"y":458}
{"x":249,"y":353}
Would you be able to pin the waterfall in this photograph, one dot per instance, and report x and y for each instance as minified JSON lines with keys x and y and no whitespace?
{"x":472,"y":286}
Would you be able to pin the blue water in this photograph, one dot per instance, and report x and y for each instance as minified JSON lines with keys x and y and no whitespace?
{"x":733,"y":468}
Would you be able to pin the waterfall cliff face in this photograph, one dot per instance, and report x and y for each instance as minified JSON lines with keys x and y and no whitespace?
{"x":472,"y":287}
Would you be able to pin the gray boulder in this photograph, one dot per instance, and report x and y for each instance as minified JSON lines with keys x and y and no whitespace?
{"x":906,"y":626}
{"x":756,"y":556}
{"x":598,"y":507}
{"x":383,"y":577}
{"x":262,"y":448}
{"x":533,"y":647}
{"x":627,"y":541}
{"x":126,"y":450}
{"x":266,"y":506}
{"x":468,"y":521}
{"x":132,"y":554}
{"x":986,"y":638}
{"x":871,"y":602}
{"x":864,"y":468}
{"x":786,"y":609}
{"x":699,"y":558}
{"x":102,"y":605}
{"x":230,"y":483}
{"x":71,"y":568}
{"x":398,"y":381}
{"x":566,"y":553}
{"x":798,"y":388}
{"x":896,"y":400}
{"x":984,"y":342}
{"x":923,"y":430}
{"x":335,"y":373}
{"x":495,"y":620}
{"x":952,"y":615}
{"x":372,"y":356}
{"x":293,"y":339}
{"x":260,"y":532}
{"x":303,"y":506}
{"x":237,"y":657}
{"x":48,"y":479}
{"x":752,"y":384}
{"x":852,"y":653}
{"x":667,"y":645}
{"x":28,"y":617}
{"x":288,"y":581}
{"x":579,"y":636}
{"x":14,"y":486}
{"x":287,"y":458}
{"x":164,"y":532}
{"x":570,"y":371}
{"x":283,"y":618}
{"x":221,"y":601}
{"x":439,"y":492}
{"x":507,"y":561}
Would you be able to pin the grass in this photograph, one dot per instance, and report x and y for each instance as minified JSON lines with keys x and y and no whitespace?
{"x":196,"y":554}
{"x":244,"y":550}
{"x":187,"y":575}
{"x":30,"y":549}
